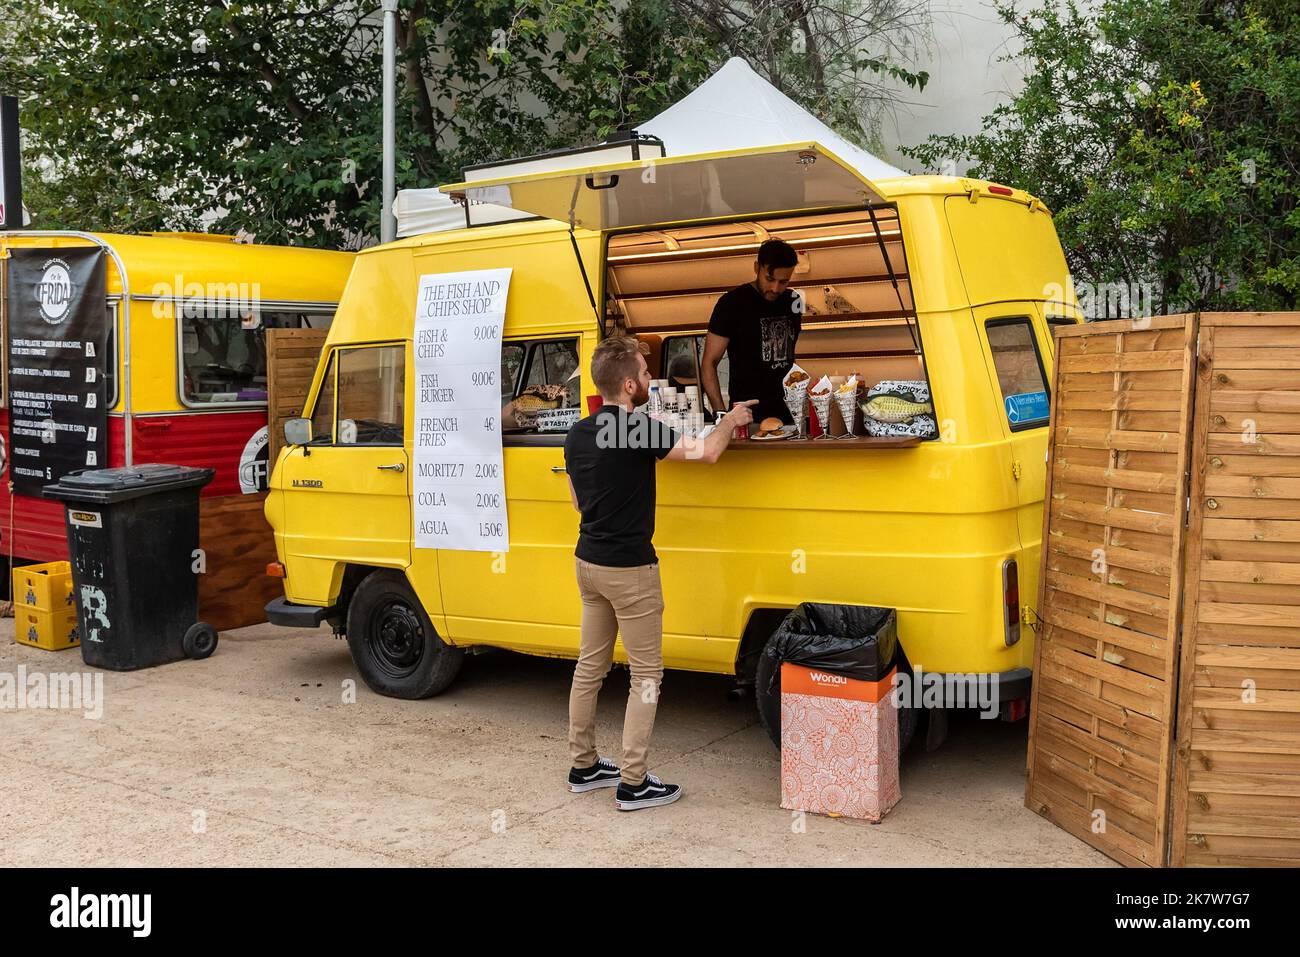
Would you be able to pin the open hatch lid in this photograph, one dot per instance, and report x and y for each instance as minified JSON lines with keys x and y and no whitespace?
{"x":674,"y":189}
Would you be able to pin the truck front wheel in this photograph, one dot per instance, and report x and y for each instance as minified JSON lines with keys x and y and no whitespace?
{"x":394,"y":644}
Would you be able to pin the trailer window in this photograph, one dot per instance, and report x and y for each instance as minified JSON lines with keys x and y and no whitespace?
{"x":372,"y":395}
{"x":110,"y":359}
{"x":223,"y":349}
{"x":1020,"y":372}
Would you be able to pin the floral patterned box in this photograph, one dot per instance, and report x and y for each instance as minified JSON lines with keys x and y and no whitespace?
{"x":839,"y":744}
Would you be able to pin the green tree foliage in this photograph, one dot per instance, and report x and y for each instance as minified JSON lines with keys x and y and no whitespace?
{"x":1165,"y":137}
{"x":264,"y":115}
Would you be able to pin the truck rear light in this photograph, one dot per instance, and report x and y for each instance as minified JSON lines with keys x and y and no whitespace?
{"x":275,"y":570}
{"x":1001,"y":190}
{"x":1015,"y":710}
{"x":1010,"y":602}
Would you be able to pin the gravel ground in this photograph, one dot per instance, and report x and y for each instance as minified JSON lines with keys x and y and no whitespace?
{"x":254,"y":758}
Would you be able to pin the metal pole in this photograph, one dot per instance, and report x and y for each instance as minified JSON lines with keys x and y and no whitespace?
{"x":388,"y":222}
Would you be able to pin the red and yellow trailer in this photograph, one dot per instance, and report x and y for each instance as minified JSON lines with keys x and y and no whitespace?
{"x":196,"y":323}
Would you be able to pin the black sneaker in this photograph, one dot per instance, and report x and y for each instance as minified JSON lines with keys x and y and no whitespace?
{"x":603,"y":774}
{"x":649,"y":793}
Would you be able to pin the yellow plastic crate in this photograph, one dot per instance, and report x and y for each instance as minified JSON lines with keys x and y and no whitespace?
{"x":51,"y":630}
{"x":45,"y":587}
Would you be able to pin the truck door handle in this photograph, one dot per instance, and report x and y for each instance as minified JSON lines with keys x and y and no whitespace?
{"x":558,"y":468}
{"x":395,"y":467}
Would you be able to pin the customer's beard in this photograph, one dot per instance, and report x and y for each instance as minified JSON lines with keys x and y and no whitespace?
{"x":642,"y":395}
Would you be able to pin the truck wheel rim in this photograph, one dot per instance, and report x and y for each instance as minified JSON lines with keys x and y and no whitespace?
{"x":397,"y":639}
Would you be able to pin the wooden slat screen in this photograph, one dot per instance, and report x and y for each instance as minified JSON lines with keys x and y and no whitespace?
{"x":291,"y":356}
{"x":1236,"y":798}
{"x":1105,"y":663}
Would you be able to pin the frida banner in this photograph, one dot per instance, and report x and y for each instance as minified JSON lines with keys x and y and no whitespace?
{"x":58,"y":333}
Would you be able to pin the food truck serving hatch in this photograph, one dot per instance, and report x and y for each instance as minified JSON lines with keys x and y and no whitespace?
{"x":675,"y":189}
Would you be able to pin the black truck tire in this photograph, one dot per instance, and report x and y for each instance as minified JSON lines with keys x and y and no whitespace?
{"x":393,"y":643}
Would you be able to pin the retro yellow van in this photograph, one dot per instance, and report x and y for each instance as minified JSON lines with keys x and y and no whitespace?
{"x":948,"y":283}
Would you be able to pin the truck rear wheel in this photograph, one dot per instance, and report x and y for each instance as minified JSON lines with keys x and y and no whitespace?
{"x":394,"y":644}
{"x":767,"y":694}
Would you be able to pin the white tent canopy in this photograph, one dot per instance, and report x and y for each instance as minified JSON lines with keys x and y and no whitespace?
{"x":736,"y":108}
{"x":733,"y":109}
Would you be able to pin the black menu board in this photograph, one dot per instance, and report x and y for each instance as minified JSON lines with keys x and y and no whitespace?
{"x":58,"y":331}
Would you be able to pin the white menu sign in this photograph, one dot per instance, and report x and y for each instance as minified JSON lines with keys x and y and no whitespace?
{"x":459,"y":481}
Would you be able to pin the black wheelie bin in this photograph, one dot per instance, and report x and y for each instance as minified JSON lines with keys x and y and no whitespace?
{"x":133,"y":537}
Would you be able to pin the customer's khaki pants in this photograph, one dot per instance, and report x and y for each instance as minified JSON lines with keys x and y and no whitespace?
{"x":629,"y":603}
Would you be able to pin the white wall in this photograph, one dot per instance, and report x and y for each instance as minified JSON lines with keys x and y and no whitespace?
{"x":966,"y":78}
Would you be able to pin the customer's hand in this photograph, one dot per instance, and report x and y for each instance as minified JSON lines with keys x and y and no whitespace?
{"x":742,"y":413}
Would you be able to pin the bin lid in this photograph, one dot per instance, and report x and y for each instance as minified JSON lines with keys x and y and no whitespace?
{"x":106,"y":486}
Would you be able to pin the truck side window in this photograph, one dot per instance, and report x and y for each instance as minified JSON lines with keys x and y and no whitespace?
{"x":512,"y":364}
{"x":322,"y":417}
{"x":372,"y":395}
{"x":1020,"y":372}
{"x":547,"y":384}
{"x":551,"y":363}
{"x":1053,"y":322}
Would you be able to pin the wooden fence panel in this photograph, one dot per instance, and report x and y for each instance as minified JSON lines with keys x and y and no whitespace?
{"x":1109,"y":603}
{"x":1236,"y":797}
{"x":291,"y":356}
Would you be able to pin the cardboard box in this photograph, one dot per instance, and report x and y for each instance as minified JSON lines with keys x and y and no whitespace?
{"x":839,"y":744}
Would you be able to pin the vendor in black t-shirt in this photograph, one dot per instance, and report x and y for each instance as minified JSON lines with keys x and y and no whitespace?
{"x":757,"y":326}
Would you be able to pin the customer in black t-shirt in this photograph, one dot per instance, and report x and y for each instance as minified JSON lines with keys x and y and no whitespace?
{"x":610,"y":458}
{"x":757,"y":325}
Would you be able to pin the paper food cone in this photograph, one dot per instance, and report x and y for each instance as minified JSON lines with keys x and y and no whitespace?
{"x":796,"y":400}
{"x":822,"y":406}
{"x":848,"y":405}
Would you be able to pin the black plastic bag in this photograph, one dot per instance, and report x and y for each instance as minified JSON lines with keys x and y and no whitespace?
{"x":857,"y":641}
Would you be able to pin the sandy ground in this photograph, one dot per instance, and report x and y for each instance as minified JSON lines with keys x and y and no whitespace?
{"x":253,"y":758}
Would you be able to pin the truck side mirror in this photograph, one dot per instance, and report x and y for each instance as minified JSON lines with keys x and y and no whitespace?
{"x":297,"y":431}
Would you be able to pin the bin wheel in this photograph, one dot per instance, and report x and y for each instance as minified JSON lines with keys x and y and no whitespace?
{"x":393,"y":642}
{"x":767,"y":695}
{"x":200,"y":641}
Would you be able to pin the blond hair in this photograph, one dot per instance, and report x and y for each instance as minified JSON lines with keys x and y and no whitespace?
{"x":614,"y":361}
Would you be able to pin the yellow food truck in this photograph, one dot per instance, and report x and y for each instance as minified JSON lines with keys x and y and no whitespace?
{"x":950,"y":286}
